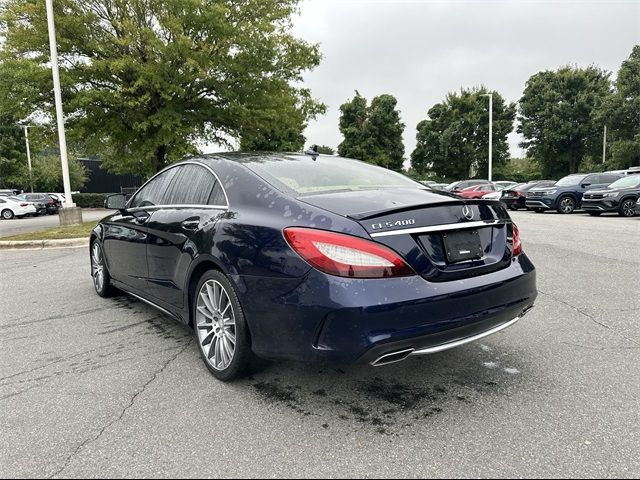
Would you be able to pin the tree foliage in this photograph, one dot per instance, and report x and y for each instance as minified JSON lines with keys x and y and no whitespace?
{"x":372,"y":133}
{"x":47,"y":173}
{"x":455,"y":138}
{"x":13,"y":153}
{"x":621,"y":113}
{"x":557,"y":117}
{"x":145,"y":81}
{"x":324,"y":149}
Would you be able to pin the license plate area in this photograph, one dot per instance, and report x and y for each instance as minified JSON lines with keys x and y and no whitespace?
{"x":462,"y":245}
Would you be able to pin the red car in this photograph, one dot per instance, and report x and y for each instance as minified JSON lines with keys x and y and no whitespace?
{"x":477,"y":191}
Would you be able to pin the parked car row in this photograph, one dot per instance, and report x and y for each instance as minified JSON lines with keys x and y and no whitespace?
{"x":29,"y":204}
{"x":596,"y":193}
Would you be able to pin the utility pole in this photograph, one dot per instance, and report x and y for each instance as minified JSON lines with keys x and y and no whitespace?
{"x":72,"y":215}
{"x":490,"y":95}
{"x":26,"y":138}
{"x":604,"y":145}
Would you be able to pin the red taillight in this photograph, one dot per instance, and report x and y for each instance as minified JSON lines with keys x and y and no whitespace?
{"x":345,"y":255}
{"x":517,"y":244}
{"x":24,"y":204}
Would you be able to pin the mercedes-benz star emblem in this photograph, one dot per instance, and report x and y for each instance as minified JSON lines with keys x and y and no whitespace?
{"x":467,"y":211}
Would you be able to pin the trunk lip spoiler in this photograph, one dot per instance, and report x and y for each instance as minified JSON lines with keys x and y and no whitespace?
{"x":402,"y":208}
{"x":440,"y":228}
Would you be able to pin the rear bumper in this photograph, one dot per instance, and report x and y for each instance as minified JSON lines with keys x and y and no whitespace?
{"x":438,"y":343}
{"x":321,"y":318}
{"x":513,"y":202}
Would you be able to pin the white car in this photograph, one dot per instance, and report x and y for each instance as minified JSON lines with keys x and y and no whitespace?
{"x":14,"y":207}
{"x":493,"y":195}
{"x":59,"y":197}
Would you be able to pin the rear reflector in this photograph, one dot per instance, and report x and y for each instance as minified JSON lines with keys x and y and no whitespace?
{"x":346,"y":255}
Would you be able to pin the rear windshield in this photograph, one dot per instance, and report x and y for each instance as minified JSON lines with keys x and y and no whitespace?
{"x":328,"y":174}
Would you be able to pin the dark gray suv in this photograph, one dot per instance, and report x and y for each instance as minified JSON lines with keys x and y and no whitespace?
{"x":566,"y":195}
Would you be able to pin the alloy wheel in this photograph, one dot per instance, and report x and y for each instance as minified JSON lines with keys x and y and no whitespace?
{"x":566,"y":205}
{"x":7,"y":214}
{"x":628,"y":208}
{"x":97,"y":266}
{"x":216,"y":325}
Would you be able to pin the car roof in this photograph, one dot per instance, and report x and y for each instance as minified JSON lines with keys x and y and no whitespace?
{"x":256,"y":157}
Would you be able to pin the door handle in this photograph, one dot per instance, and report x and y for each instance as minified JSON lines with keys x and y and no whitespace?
{"x":192,"y":224}
{"x":141,"y":217}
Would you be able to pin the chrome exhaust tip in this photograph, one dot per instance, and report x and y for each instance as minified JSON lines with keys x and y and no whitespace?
{"x":392,"y":357}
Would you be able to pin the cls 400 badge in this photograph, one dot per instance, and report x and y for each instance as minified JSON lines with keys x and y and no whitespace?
{"x":399,"y":223}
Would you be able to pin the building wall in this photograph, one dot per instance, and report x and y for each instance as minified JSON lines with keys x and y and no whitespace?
{"x":101,"y":181}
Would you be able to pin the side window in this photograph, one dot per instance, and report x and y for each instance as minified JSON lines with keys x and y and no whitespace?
{"x":154,"y":192}
{"x":217,"y":196}
{"x":609,"y":179}
{"x":191,"y":186}
{"x":592,"y":179}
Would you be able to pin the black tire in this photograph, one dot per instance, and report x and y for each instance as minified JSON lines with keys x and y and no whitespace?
{"x":242,"y":354}
{"x":7,"y":214}
{"x":595,"y":214}
{"x":538,"y":210}
{"x":566,"y":205}
{"x":627,"y":208}
{"x":104,"y":287}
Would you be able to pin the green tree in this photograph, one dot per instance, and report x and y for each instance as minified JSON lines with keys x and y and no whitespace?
{"x":325,"y":150}
{"x":372,"y":133}
{"x":455,"y":138}
{"x":621,"y":114}
{"x":353,"y":115}
{"x":145,"y":81}
{"x":557,"y":117}
{"x":47,"y":173}
{"x":13,"y":153}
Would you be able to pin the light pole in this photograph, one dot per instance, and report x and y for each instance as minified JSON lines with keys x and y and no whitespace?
{"x":26,"y":139}
{"x":490,"y":95}
{"x":71,"y":215}
{"x":604,"y":145}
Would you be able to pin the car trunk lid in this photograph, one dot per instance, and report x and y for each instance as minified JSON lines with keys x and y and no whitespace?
{"x":442,"y":237}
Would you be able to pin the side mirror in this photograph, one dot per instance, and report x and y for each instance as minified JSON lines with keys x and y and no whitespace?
{"x":585,"y":185}
{"x":116,"y":201}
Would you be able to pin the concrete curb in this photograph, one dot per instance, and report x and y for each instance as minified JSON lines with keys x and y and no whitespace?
{"x":41,"y":244}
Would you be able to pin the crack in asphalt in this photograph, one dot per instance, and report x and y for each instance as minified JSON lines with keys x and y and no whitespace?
{"x":575,"y":308}
{"x":604,"y":325}
{"x":122,"y":413}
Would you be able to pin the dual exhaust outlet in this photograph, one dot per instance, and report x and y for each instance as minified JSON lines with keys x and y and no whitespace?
{"x":400,"y":355}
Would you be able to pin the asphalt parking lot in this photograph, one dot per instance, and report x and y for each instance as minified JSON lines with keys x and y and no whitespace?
{"x":111,"y":388}
{"x":33,"y":224}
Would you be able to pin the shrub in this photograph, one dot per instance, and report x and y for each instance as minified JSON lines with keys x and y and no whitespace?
{"x":89,"y":200}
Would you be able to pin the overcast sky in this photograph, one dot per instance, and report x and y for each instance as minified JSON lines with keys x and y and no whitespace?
{"x":420,"y":50}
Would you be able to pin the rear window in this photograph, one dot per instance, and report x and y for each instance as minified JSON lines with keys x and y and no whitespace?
{"x":328,"y":174}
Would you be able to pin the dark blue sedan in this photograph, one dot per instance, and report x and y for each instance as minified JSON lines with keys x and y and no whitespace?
{"x":312,"y":258}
